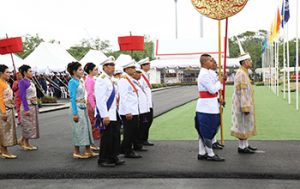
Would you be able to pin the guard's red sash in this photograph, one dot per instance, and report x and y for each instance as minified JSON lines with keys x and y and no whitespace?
{"x":206,"y":94}
{"x":147,"y":81}
{"x":133,"y":86}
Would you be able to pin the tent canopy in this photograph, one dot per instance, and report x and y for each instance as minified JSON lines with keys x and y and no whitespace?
{"x":48,"y":57}
{"x":93,"y":56}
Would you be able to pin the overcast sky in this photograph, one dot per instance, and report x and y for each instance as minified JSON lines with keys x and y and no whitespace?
{"x":68,"y":21}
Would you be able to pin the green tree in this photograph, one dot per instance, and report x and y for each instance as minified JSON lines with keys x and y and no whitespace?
{"x":252,"y":43}
{"x":29,"y":44}
{"x":78,"y":51}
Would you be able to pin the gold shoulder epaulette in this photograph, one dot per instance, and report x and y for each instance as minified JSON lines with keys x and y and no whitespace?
{"x":102,"y":76}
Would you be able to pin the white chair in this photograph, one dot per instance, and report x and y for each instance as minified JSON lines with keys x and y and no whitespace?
{"x":50,"y":91}
{"x":64,"y":93}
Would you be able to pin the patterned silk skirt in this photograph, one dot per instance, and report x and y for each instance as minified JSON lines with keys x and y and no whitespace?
{"x":30,"y":124}
{"x":82,"y":130}
{"x":91,"y":113}
{"x":8,"y":134}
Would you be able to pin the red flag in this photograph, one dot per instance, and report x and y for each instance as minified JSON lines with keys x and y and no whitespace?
{"x":131,"y":43}
{"x":11,"y":45}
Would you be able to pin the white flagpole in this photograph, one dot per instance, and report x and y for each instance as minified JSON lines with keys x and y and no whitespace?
{"x":274,"y":68}
{"x":272,"y":63}
{"x":277,"y":86}
{"x":288,"y":63}
{"x":284,"y":66}
{"x":297,"y":57}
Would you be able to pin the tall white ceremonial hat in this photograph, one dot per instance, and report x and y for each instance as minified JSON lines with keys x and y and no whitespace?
{"x":129,"y":64}
{"x":144,"y":61}
{"x":109,"y":60}
{"x":118,"y":70}
{"x":243,"y":55}
{"x":137,"y":68}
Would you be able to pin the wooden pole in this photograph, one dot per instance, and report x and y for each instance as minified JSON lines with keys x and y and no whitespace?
{"x":220,"y":75}
{"x":13,"y":61}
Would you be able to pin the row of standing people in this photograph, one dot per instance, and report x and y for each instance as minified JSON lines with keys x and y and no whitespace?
{"x":116,"y":99}
{"x":26,"y":107}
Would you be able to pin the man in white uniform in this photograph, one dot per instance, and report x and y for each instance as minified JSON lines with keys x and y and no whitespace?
{"x":143,"y":108}
{"x":145,"y":67}
{"x":105,"y":94}
{"x":207,"y":119}
{"x":129,"y":110}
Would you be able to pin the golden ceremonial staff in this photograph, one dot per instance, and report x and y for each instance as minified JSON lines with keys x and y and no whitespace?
{"x":219,"y":10}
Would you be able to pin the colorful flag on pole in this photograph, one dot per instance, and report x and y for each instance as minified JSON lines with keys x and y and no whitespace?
{"x":274,"y":29}
{"x":282,"y":14}
{"x":278,"y":21}
{"x":286,"y":16}
{"x":264,"y":45}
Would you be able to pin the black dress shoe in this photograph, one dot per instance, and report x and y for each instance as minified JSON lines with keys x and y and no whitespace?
{"x":140,"y":149}
{"x":133,"y":155}
{"x":214,"y":158}
{"x":202,"y":157}
{"x":245,"y":151}
{"x":221,"y":145}
{"x":120,"y":162}
{"x":147,"y":143}
{"x":252,"y":148}
{"x":216,"y":146}
{"x":107,"y":164}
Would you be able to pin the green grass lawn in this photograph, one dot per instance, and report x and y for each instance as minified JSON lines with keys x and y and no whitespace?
{"x":275,"y":119}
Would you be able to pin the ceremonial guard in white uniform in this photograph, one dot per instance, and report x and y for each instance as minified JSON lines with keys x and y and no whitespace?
{"x":145,"y":82}
{"x":106,"y":104}
{"x":129,"y":111}
{"x":143,"y":107}
{"x":207,"y":119}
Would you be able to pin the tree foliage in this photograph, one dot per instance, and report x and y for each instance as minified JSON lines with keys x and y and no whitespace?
{"x":29,"y":44}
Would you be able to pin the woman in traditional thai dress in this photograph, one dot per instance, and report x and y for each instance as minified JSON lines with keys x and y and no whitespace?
{"x":82,"y":129}
{"x":8,"y":136}
{"x":15,"y":89}
{"x":29,"y":109}
{"x":89,"y":83}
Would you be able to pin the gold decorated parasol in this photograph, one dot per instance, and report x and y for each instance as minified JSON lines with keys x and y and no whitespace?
{"x":219,"y":9}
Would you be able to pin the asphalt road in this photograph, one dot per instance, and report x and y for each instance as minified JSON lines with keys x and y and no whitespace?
{"x":168,"y":99}
{"x":150,"y":183}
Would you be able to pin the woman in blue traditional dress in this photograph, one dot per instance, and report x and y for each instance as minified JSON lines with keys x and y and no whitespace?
{"x":82,"y":129}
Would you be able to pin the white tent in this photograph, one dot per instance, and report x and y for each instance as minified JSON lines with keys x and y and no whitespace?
{"x":93,"y":56}
{"x":48,"y":57}
{"x":6,"y":59}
